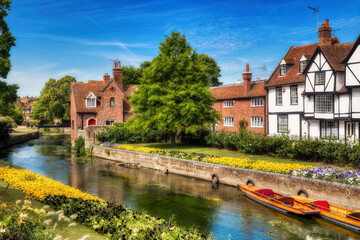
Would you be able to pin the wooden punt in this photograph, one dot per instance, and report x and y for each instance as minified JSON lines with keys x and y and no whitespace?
{"x":277,"y":201}
{"x":335,"y":214}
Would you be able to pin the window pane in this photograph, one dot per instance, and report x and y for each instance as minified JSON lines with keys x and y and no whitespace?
{"x":283,"y":123}
{"x":320,"y":78}
{"x":112,"y":102}
{"x":294,"y":95}
{"x":278,"y":96}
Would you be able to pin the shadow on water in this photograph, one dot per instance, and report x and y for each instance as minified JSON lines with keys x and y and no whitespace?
{"x":191,"y":202}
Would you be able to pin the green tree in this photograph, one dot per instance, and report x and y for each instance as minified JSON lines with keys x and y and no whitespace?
{"x":7,"y":40}
{"x":212,"y":69}
{"x":131,"y":75}
{"x":8,"y":96}
{"x":174,"y":92}
{"x":53,"y":102}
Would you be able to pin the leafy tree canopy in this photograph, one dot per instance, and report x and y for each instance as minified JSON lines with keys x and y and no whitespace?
{"x":8,"y":96}
{"x":212,"y":69}
{"x":53,"y":102}
{"x":7,"y":40}
{"x":132,"y":75}
{"x":174,"y":92}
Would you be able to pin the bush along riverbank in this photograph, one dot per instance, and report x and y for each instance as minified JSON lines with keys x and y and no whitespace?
{"x":113,"y":220}
{"x":295,"y":169}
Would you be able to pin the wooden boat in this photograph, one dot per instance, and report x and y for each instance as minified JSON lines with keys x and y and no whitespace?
{"x":277,"y":201}
{"x":335,"y":214}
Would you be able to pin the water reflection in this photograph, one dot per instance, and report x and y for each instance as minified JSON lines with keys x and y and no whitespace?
{"x":191,"y":202}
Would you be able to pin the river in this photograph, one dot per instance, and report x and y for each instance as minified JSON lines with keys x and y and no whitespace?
{"x":189,"y":202}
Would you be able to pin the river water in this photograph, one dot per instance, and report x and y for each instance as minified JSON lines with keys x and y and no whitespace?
{"x":222,"y":210}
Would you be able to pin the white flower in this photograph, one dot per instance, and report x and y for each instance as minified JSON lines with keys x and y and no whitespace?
{"x":48,"y":222}
{"x":73,"y":216}
{"x":72,"y":225}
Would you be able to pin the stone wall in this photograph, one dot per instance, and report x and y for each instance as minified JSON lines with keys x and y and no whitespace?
{"x":339,"y":194}
{"x":19,"y":139}
{"x":89,"y":135}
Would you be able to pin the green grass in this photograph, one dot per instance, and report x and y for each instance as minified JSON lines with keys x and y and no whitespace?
{"x":227,"y":153}
{"x":12,"y":195}
{"x":21,"y":131}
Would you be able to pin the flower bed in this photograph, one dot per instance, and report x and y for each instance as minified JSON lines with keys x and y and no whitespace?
{"x":38,"y":186}
{"x":247,"y":163}
{"x":330,"y":174}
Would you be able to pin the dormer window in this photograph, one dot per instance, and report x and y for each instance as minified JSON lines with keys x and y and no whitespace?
{"x":302,"y":66}
{"x":283,"y":69}
{"x":91,"y":101}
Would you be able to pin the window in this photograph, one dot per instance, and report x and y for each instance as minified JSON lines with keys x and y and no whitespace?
{"x":228,"y":121}
{"x":72,"y":124}
{"x":350,"y":129}
{"x":282,"y":123}
{"x":256,"y":122}
{"x":278,"y":96}
{"x":91,"y":102}
{"x":302,"y":66}
{"x":294,"y":95}
{"x":283,"y":69}
{"x":229,"y":103}
{"x":112,"y":102}
{"x":109,"y":122}
{"x":329,"y":129}
{"x":323,"y":103}
{"x":257,"y":102}
{"x":320,"y":78}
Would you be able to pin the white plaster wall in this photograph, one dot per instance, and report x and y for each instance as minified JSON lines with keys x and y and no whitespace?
{"x":309,"y":104}
{"x":340,"y":79}
{"x":324,"y":116}
{"x":344,"y":103}
{"x":314,"y":128}
{"x":353,"y":74}
{"x":356,"y":102}
{"x":304,"y":129}
{"x":294,"y":124}
{"x":341,"y":130}
{"x":336,"y":104}
{"x":329,"y":81}
{"x":310,"y":82}
{"x":355,"y":56}
{"x":272,"y":124}
{"x":286,"y":106}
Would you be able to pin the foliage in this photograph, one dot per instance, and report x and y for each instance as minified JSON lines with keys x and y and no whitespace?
{"x":174,"y":92}
{"x":53,"y":101}
{"x":283,"y":146}
{"x":118,"y":222}
{"x":132,"y":75}
{"x":212,"y":69}
{"x":7,"y":40}
{"x":10,"y":123}
{"x":8,"y":96}
{"x":121,"y":133}
{"x":38,"y":186}
{"x":80,"y":146}
{"x":22,"y":221}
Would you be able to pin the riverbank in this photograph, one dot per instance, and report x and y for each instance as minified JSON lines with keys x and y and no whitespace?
{"x":19,"y":135}
{"x":344,"y":195}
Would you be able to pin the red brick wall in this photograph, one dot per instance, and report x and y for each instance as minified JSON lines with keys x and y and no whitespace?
{"x":111,"y":113}
{"x":242,"y":110}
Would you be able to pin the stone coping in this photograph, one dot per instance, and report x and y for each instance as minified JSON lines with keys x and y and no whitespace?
{"x":243,"y":169}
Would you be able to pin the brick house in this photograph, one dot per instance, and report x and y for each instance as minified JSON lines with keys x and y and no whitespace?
{"x":241,"y":101}
{"x":101,"y":102}
{"x":27,"y":104}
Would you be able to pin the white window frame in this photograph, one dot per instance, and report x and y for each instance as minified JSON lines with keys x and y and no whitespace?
{"x":320,"y":78}
{"x":90,"y":102}
{"x":283,"y":69}
{"x":329,"y":129}
{"x":229,"y":103}
{"x":228,"y":121}
{"x":302,"y":66}
{"x":278,"y":96}
{"x":294,"y":98}
{"x":257,"y":102}
{"x":283,"y":123}
{"x":257,"y":122}
{"x":324,"y":103}
{"x":110,"y":122}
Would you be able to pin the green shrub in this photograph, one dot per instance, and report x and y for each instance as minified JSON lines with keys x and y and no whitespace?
{"x":9,"y":121}
{"x":4,"y":131}
{"x":80,"y":146}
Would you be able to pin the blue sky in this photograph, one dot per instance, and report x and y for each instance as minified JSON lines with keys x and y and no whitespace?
{"x":82,"y":37}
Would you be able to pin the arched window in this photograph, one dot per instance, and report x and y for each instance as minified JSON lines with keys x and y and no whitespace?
{"x":112,"y":102}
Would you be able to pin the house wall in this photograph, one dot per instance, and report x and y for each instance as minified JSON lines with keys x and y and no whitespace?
{"x":353,"y":69}
{"x":355,"y":103}
{"x":242,"y":110}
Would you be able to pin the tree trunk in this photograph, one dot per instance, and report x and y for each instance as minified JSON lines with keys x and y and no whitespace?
{"x":173,"y":136}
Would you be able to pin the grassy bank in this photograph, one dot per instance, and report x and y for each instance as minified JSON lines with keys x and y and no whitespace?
{"x":22,"y":131}
{"x":12,"y":195}
{"x":226,"y":153}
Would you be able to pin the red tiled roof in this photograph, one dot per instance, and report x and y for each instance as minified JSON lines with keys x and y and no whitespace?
{"x":237,"y":91}
{"x":293,"y":76}
{"x":82,"y":90}
{"x":336,"y":54}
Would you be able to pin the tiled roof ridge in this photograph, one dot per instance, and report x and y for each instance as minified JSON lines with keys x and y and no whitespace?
{"x":238,"y":84}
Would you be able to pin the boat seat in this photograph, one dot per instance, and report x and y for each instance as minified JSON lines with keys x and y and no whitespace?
{"x":286,"y":200}
{"x":322,"y":205}
{"x":265,"y":192}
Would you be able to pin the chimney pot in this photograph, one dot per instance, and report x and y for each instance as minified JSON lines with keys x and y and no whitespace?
{"x":247,"y":67}
{"x":327,"y":22}
{"x":325,"y":33}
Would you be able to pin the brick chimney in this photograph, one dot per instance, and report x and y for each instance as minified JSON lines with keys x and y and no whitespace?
{"x":325,"y":33}
{"x":106,"y":78}
{"x":117,"y":73}
{"x":247,"y":80}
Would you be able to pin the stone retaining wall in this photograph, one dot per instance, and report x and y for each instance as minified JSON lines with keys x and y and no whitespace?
{"x":344,"y":195}
{"x":19,"y":139}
